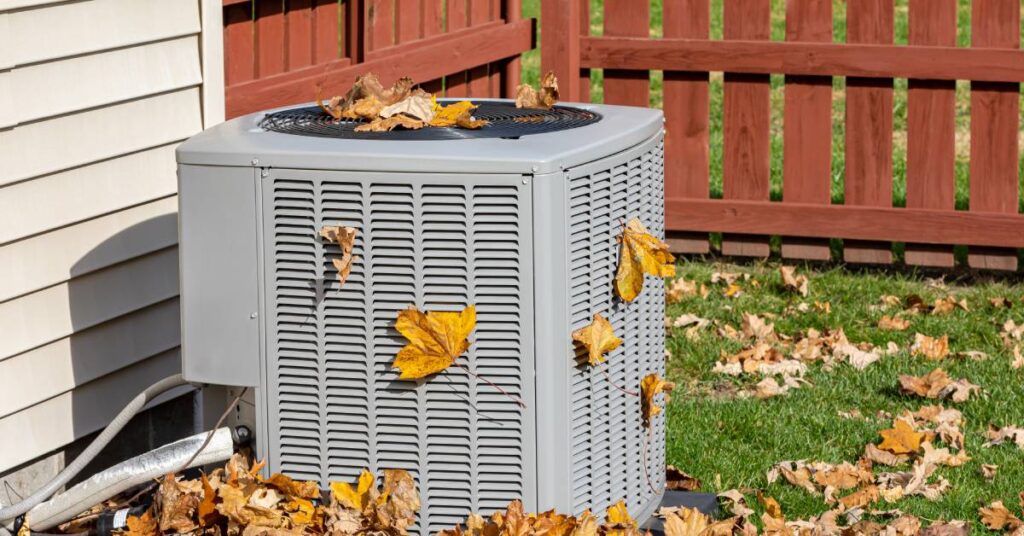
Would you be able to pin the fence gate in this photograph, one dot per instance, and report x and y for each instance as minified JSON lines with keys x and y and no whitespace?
{"x":806,"y":218}
{"x":276,"y":52}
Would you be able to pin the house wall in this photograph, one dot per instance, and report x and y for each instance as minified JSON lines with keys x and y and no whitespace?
{"x":94,"y":97}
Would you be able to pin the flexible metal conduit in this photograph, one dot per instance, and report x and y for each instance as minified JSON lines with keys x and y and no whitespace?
{"x":10,"y":512}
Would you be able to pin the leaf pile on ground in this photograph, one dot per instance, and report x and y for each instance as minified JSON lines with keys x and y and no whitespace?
{"x":862,"y":402}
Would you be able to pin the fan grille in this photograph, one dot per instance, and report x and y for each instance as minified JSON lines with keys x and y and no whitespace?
{"x":504,"y":121}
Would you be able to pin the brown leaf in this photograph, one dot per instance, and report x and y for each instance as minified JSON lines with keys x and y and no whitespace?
{"x":893,"y":323}
{"x":390,"y":123}
{"x":861,"y":498}
{"x":988,"y":471}
{"x":176,"y":505}
{"x":952,"y":528}
{"x":884,"y":457}
{"x":144,"y":525}
{"x":928,"y":386}
{"x":996,"y":516}
{"x":419,"y":105}
{"x":792,"y":281}
{"x":684,"y":521}
{"x":207,"y":509}
{"x":931,"y":348}
{"x":305,"y":489}
{"x":998,"y":436}
{"x":678,"y":480}
{"x":544,"y":98}
{"x":901,"y":439}
{"x":345,"y":237}
{"x":770,"y":505}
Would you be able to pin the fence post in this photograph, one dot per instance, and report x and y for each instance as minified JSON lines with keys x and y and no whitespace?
{"x":560,"y":44}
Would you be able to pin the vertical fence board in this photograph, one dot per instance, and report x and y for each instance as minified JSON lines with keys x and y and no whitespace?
{"x":931,"y":127}
{"x":511,"y":69}
{"x":269,"y":38}
{"x":745,"y":169}
{"x":299,"y":33}
{"x":458,"y":18}
{"x":686,"y":107}
{"x":433,"y":24}
{"x":560,"y":49}
{"x":630,"y":18}
{"x":995,"y":109}
{"x":355,"y":30}
{"x":868,"y":178}
{"x":583,"y":83}
{"x":479,"y":83}
{"x":807,"y":123}
{"x":380,"y":17}
{"x":326,"y":31}
{"x":239,"y":54}
{"x":407,"y":20}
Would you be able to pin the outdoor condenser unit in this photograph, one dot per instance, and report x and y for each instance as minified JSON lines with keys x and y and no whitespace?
{"x":520,"y":218}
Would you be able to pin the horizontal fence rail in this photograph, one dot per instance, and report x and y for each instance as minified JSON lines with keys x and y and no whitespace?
{"x":810,"y":59}
{"x":277,"y":52}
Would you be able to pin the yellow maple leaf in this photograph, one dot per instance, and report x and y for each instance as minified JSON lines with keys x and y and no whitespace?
{"x":901,"y":438}
{"x":598,"y":338}
{"x":448,"y":116}
{"x":640,"y":253}
{"x":436,"y":340}
{"x":650,"y":386}
{"x":358,"y":496}
{"x":144,"y":525}
{"x":621,"y":522}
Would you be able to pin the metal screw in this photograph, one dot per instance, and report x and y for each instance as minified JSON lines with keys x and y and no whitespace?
{"x":252,"y":315}
{"x":535,"y":168}
{"x":255,"y":161}
{"x":264,"y":172}
{"x":526,"y":181}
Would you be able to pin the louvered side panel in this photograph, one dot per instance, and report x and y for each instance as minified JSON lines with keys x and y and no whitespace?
{"x":607,"y":433}
{"x":436,"y":242}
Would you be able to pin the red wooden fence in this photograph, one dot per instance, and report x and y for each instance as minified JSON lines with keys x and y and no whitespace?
{"x":277,"y":51}
{"x":805,"y":218}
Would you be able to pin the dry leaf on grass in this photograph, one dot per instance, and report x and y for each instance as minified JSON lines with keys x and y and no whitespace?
{"x":931,"y":348}
{"x":684,"y":288}
{"x":436,"y":340}
{"x":543,"y":98}
{"x":792,"y":281}
{"x":598,"y":338}
{"x":893,"y":323}
{"x":769,"y":387}
{"x":641,"y":253}
{"x":678,"y":480}
{"x":996,"y":516}
{"x":901,"y":438}
{"x":1000,"y":302}
{"x":988,"y":471}
{"x":1006,"y":434}
{"x":345,"y":237}
{"x":938,"y":385}
{"x":650,"y":386}
{"x":942,"y":528}
{"x":943,"y":306}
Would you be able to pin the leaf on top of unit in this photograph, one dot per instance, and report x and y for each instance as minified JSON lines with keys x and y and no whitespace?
{"x":543,"y":98}
{"x":598,"y":338}
{"x":641,"y":253}
{"x":458,"y":114}
{"x":436,"y":340}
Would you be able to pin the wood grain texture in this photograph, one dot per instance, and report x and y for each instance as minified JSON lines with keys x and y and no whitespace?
{"x":560,"y":50}
{"x":807,"y":126}
{"x":457,"y":83}
{"x":408,"y":20}
{"x":745,"y":169}
{"x":462,"y":50}
{"x":931,"y":127}
{"x":995,"y":111}
{"x":478,"y":78}
{"x":380,"y":19}
{"x":299,"y":34}
{"x":511,"y":69}
{"x":868,"y":153}
{"x":327,"y":33}
{"x":270,"y":38}
{"x":626,"y":18}
{"x":750,"y":56}
{"x":239,"y":47}
{"x":919,"y":225}
{"x":686,"y":106}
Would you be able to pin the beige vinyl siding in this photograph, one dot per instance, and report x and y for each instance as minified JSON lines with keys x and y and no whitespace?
{"x":94,"y":97}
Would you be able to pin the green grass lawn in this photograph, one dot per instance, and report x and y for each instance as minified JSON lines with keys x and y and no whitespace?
{"x":730,"y":442}
{"x":531,"y":67}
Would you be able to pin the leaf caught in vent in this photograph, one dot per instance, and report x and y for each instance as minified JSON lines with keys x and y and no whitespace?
{"x":345,"y":237}
{"x":641,"y":253}
{"x":651,"y":386}
{"x":598,"y":338}
{"x":436,"y":340}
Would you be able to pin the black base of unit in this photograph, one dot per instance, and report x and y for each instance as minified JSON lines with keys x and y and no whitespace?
{"x":705,"y":502}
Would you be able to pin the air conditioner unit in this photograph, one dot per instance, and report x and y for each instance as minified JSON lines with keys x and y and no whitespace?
{"x":520,"y":218}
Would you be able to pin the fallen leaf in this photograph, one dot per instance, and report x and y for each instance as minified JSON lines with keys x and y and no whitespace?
{"x":1018,"y":359}
{"x":206,"y":512}
{"x":390,"y":123}
{"x":144,"y":525}
{"x":988,"y":471}
{"x":650,"y":386}
{"x":756,"y":328}
{"x":176,"y":506}
{"x":544,"y":98}
{"x":996,"y":516}
{"x":640,"y":253}
{"x":355,"y":496}
{"x":619,"y":521}
{"x":792,"y":281}
{"x":684,"y":288}
{"x":893,"y":323}
{"x":943,"y":306}
{"x":419,"y":106}
{"x":436,"y":340}
{"x":678,"y":480}
{"x":770,"y":505}
{"x":931,"y":348}
{"x":734,"y":290}
{"x":942,"y":528}
{"x":682,"y":521}
{"x":598,"y":338}
{"x":901,"y":438}
{"x":998,"y":436}
{"x":884,"y":457}
{"x":937,"y":384}
{"x":306,"y":489}
{"x":1000,"y":302}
